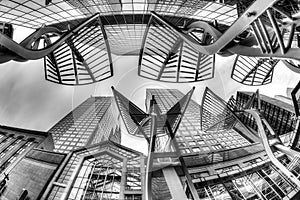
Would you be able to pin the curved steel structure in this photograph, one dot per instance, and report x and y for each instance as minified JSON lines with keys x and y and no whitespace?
{"x":9,"y":48}
{"x":24,"y":50}
{"x":83,"y":58}
{"x":253,"y":71}
{"x":164,"y":56}
{"x":258,"y":35}
{"x":79,"y":56}
{"x":270,"y":42}
{"x":179,"y":50}
{"x":261,"y":130}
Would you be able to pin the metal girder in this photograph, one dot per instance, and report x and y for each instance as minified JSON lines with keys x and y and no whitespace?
{"x":134,"y":118}
{"x":174,"y":184}
{"x":275,"y":38}
{"x":258,"y":7}
{"x":167,"y":122}
{"x":217,"y":115}
{"x":83,"y":58}
{"x":79,"y":56}
{"x":260,"y":121}
{"x":296,"y":101}
{"x":164,"y":56}
{"x":26,"y":53}
{"x":252,"y":70}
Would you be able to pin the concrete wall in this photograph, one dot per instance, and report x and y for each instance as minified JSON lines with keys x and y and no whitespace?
{"x":32,"y":173}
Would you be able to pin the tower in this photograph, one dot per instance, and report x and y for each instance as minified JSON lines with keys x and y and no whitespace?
{"x":93,"y":121}
{"x":190,"y":136}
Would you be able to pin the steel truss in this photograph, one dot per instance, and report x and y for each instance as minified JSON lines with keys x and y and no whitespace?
{"x":77,"y":57}
{"x":216,"y":114}
{"x":263,"y":32}
{"x":165,"y":56}
{"x":160,"y":124}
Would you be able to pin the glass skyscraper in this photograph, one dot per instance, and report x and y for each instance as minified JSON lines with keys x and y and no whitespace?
{"x":101,"y":169}
{"x":93,"y":121}
{"x":190,"y":136}
{"x":225,"y":158}
{"x":221,"y":150}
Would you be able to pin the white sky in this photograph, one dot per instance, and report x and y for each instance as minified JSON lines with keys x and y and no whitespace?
{"x":27,"y":100}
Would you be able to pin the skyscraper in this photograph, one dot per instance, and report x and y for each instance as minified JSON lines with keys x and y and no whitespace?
{"x":93,"y":121}
{"x":35,"y":157}
{"x":190,"y":136}
{"x":248,"y":164}
{"x":107,"y":170}
{"x":278,"y":113}
{"x":260,"y":170}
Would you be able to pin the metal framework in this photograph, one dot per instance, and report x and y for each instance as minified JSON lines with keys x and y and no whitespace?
{"x":83,"y":58}
{"x":165,"y":155}
{"x":273,"y":39}
{"x":76,"y":57}
{"x":216,"y":114}
{"x":103,"y":171}
{"x":279,"y":117}
{"x":296,"y":102}
{"x":173,"y":48}
{"x":262,"y":123}
{"x":133,"y":117}
{"x":263,"y":31}
{"x":164,"y":56}
{"x":253,"y":71}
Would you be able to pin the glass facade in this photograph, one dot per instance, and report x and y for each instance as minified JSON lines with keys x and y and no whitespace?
{"x":164,"y":56}
{"x":219,"y":148}
{"x":93,"y":121}
{"x":124,"y":21}
{"x":255,"y":178}
{"x":190,"y":137}
{"x":252,"y":70}
{"x":31,"y":13}
{"x":277,"y":113}
{"x":83,"y":58}
{"x":221,"y":163}
{"x":104,"y":171}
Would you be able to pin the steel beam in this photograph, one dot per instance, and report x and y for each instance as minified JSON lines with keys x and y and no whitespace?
{"x":174,"y":184}
{"x":267,"y":147}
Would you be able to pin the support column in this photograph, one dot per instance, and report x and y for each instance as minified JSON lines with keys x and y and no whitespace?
{"x":174,"y":184}
{"x":267,"y":147}
{"x":123,"y":180}
{"x":148,"y":177}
